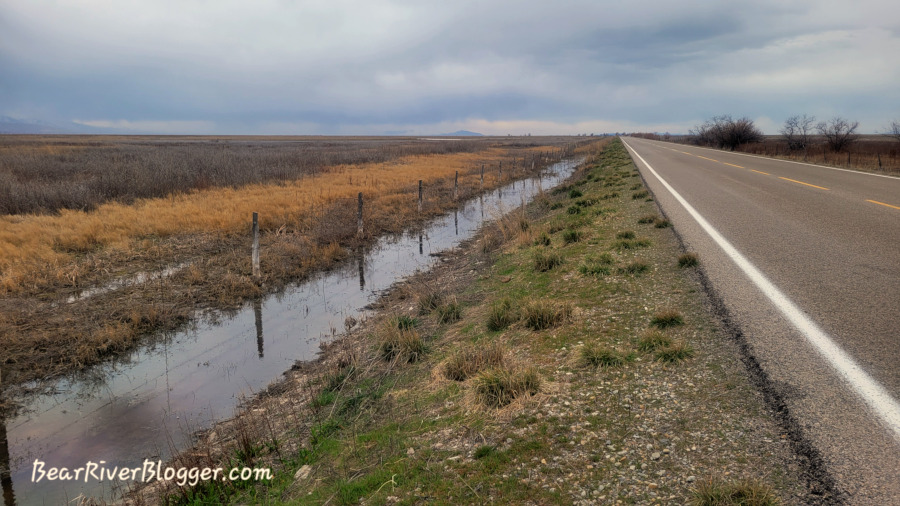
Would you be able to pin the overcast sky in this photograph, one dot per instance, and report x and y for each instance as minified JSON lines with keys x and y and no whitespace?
{"x":420,"y":67}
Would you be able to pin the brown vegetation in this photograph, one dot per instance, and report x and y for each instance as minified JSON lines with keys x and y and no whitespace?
{"x":307,"y":224}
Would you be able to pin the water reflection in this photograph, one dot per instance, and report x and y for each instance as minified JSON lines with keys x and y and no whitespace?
{"x":153,"y":400}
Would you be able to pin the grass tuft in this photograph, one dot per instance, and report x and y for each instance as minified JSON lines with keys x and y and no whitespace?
{"x":674,"y":352}
{"x":546,"y":260}
{"x":500,"y":386}
{"x":652,"y":340}
{"x":402,"y":345}
{"x":648,"y":218}
{"x":574,"y":194}
{"x":449,"y":312}
{"x":626,"y":234}
{"x":542,"y":314}
{"x":542,"y":240}
{"x":745,"y":492}
{"x":636,"y":267}
{"x":570,"y":236}
{"x":667,"y":318}
{"x":404,"y":322}
{"x":501,"y":315}
{"x":662,"y":223}
{"x":639,"y":195}
{"x":573,"y":210}
{"x":465,"y":364}
{"x":596,"y":356}
{"x":429,"y":301}
{"x":688,"y":260}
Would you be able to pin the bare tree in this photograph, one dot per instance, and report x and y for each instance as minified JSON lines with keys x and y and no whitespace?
{"x":895,"y":130}
{"x":797,"y":131}
{"x":839,"y":133}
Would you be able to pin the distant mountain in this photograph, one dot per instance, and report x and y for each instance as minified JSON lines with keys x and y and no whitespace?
{"x":462,"y":133}
{"x":10,"y":125}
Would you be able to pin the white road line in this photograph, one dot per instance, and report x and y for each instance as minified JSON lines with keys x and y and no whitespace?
{"x":878,"y":399}
{"x":790,"y":161}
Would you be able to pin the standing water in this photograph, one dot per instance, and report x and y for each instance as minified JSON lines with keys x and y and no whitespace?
{"x":123,"y":413}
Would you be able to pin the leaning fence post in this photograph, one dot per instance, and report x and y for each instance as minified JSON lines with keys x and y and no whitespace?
{"x":420,"y":195}
{"x":456,"y":186}
{"x":359,"y":222}
{"x":482,"y":175}
{"x":255,"y":255}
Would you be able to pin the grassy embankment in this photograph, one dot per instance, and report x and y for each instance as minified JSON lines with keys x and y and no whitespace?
{"x":307,"y":224}
{"x":565,"y":357}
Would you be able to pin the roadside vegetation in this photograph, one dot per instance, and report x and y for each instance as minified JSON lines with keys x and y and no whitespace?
{"x":586,"y":382}
{"x":835,"y":142}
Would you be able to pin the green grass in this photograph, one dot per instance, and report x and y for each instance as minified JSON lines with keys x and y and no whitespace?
{"x":652,"y":340}
{"x":542,"y":240}
{"x":635,"y":267}
{"x":625,"y":234}
{"x":570,"y":236}
{"x":449,"y":312}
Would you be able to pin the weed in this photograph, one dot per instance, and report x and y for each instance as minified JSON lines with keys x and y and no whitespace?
{"x":610,"y":195}
{"x":465,"y":364}
{"x":501,"y":315}
{"x":449,"y":312}
{"x":574,"y":194}
{"x":688,"y":260}
{"x":546,"y":260}
{"x":640,"y":195}
{"x":499,"y":386}
{"x":652,"y":340}
{"x":542,"y":314}
{"x":667,"y":318}
{"x":593,"y":355}
{"x":745,"y":492}
{"x":573,"y":210}
{"x":585,"y":202}
{"x":485,"y":451}
{"x":627,"y":234}
{"x":675,"y":352}
{"x":556,"y":205}
{"x":571,"y":236}
{"x":662,"y":223}
{"x":648,"y":218}
{"x":597,"y":266}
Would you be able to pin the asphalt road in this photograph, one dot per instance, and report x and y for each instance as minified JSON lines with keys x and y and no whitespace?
{"x":806,"y":262}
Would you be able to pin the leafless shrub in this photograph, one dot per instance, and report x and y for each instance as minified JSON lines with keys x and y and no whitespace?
{"x":839,"y":133}
{"x":797,"y":131}
{"x":895,"y":130}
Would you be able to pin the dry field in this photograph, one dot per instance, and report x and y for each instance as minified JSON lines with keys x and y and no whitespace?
{"x":102,"y":209}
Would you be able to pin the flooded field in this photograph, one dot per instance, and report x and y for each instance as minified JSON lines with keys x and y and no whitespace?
{"x":148,"y":404}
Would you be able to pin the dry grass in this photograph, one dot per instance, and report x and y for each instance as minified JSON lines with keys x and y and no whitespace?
{"x":464,"y":364}
{"x":542,"y":314}
{"x":499,"y":386}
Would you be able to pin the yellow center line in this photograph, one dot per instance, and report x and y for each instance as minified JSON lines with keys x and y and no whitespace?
{"x":685,"y":152}
{"x":733,"y":165}
{"x":705,"y":158}
{"x":801,"y":182}
{"x":881,"y":203}
{"x":761,"y":172}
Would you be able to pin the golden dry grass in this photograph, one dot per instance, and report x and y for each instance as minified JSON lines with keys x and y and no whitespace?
{"x":40,"y":249}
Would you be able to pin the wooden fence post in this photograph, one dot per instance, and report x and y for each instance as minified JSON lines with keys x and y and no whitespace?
{"x":482,"y":175}
{"x":456,"y":186}
{"x":500,"y":172}
{"x":420,"y":195}
{"x":359,"y":214}
{"x":255,"y":255}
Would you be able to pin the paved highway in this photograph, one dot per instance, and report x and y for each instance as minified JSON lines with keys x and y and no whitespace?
{"x":806,"y":262}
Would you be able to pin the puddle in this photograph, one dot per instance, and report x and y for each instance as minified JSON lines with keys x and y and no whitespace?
{"x":137,"y":279}
{"x":137,"y":409}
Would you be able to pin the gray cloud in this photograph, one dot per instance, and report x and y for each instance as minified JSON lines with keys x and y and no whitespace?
{"x":357,"y":67}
